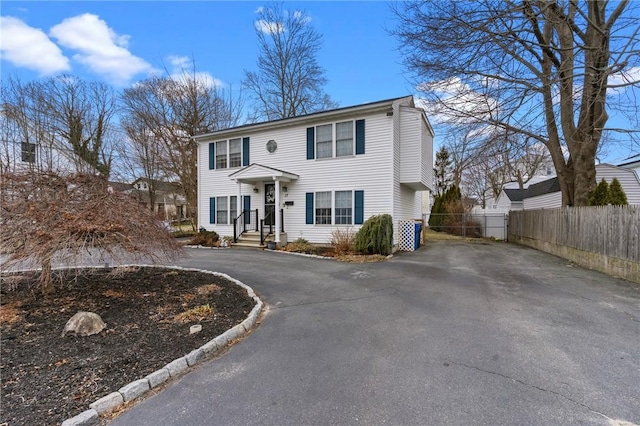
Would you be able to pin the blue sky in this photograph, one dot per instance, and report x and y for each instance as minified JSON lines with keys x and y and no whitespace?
{"x":120,"y":42}
{"x":360,"y":58}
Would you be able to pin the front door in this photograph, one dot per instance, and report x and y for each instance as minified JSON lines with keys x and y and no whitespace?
{"x":269,"y":203}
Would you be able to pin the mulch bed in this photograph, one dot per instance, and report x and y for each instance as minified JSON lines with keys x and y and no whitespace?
{"x":47,"y":378}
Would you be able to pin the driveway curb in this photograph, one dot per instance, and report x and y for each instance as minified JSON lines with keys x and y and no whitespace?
{"x":175,"y":368}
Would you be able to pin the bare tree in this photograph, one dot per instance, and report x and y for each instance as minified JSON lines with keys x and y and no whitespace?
{"x":539,"y":68}
{"x":48,"y":217}
{"x":75,"y":114}
{"x":141,"y":156}
{"x":174,"y":109}
{"x":289,"y":80}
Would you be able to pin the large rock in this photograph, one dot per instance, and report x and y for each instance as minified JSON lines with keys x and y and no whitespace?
{"x":84,"y":324}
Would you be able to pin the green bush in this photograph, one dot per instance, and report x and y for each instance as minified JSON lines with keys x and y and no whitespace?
{"x":205,"y":238}
{"x":617,"y":197}
{"x":444,"y":206}
{"x":600,"y":195}
{"x":375,"y":236}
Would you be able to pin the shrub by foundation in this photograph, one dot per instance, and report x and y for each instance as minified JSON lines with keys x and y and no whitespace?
{"x":375,"y":236}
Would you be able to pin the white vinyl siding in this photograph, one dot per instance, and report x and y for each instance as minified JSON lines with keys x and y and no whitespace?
{"x":372,"y":173}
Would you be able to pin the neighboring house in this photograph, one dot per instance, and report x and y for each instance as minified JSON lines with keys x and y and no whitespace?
{"x":632,"y":163}
{"x":170,"y":202}
{"x":37,"y":150}
{"x":543,"y":195}
{"x":510,"y":199}
{"x":547,"y":195}
{"x":317,"y":173}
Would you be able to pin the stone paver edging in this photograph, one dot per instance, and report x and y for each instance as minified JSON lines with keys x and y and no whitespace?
{"x":176,"y":367}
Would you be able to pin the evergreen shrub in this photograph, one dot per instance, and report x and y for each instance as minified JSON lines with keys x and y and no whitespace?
{"x":375,"y":236}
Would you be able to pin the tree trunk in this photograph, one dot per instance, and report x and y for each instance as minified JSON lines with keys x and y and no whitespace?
{"x":46,"y":279}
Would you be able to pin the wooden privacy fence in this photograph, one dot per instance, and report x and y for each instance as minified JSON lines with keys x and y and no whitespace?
{"x":606,"y":238}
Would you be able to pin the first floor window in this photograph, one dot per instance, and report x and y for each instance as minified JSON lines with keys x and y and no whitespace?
{"x":344,"y":210}
{"x":28,"y":152}
{"x":323,"y":208}
{"x":221,"y":211}
{"x":233,"y":208}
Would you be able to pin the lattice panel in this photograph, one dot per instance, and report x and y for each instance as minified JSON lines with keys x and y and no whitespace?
{"x":407,"y":235}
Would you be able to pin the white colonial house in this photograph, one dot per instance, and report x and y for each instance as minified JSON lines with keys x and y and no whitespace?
{"x":309,"y":175}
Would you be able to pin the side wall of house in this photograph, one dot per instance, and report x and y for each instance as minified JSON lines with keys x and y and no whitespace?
{"x":413,"y":151}
{"x":371,"y":172}
{"x":546,"y":201}
{"x":46,"y":158}
{"x":503,"y":203}
{"x":628,"y":180}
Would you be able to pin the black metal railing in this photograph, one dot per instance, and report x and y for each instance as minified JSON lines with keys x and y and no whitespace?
{"x":264,"y":236}
{"x":243,"y":219}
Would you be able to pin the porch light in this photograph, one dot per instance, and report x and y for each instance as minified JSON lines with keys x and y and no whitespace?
{"x":285,"y":189}
{"x":256,"y":190}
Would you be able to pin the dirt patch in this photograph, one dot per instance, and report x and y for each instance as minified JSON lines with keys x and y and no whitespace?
{"x":47,"y":378}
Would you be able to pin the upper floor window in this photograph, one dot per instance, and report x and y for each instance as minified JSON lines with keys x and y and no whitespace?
{"x":229,"y":153}
{"x":343,"y":139}
{"x":221,"y":155}
{"x":324,"y":141}
{"x":235,"y":153}
{"x":28,"y":151}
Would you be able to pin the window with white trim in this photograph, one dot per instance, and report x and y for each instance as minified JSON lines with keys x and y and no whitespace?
{"x":323,"y":208}
{"x":235,"y":152}
{"x":221,"y":155}
{"x":344,"y":207}
{"x":233,"y":208}
{"x":344,"y":138}
{"x":222,"y":212}
{"x":324,"y":141}
{"x":347,"y":205}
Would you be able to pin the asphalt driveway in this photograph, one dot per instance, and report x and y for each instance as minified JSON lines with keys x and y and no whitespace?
{"x":456,"y":333}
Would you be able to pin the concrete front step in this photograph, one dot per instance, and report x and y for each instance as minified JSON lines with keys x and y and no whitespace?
{"x":252,"y":239}
{"x":251,"y":245}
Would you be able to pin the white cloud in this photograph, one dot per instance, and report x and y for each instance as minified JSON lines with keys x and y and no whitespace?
{"x":99,"y":47}
{"x":269,"y":27}
{"x":182,"y":67}
{"x":29,"y":47}
{"x":622,"y":80}
{"x":457,"y":102}
{"x":299,"y":16}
